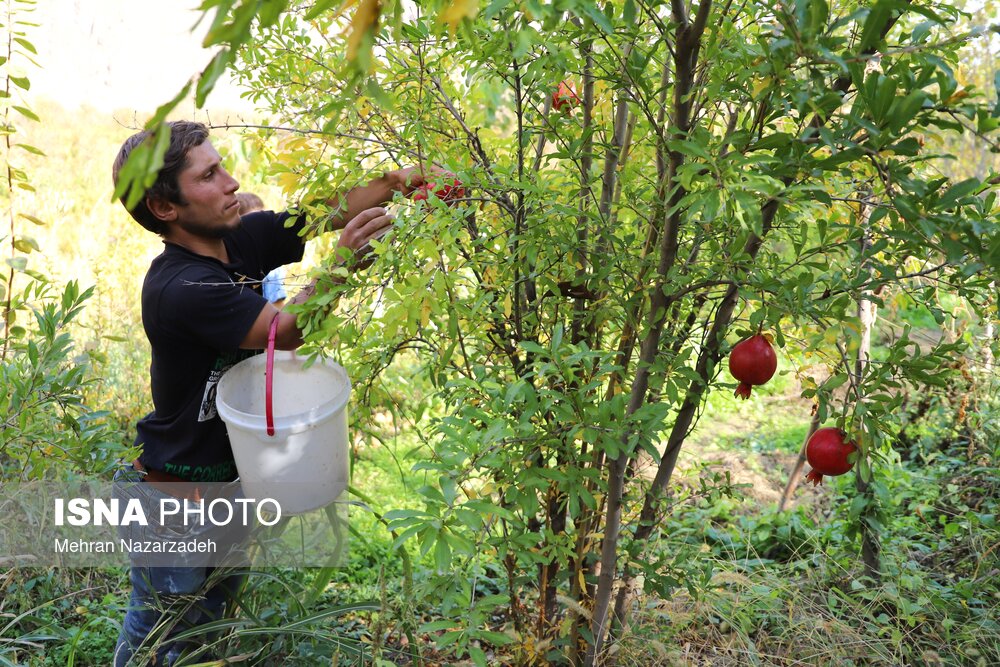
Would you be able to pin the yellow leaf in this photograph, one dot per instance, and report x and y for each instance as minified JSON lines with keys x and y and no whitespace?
{"x":458,"y":11}
{"x":425,"y":313}
{"x":289,"y":182}
{"x":957,"y":96}
{"x":761,"y":85}
{"x":365,"y":20}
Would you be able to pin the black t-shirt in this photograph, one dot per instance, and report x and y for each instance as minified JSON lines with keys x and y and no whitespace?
{"x":196,"y":311}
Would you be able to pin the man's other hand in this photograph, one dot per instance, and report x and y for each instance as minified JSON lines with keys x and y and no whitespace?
{"x":358,"y":233}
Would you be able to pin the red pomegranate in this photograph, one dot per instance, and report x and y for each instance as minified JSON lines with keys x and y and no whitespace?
{"x":752,"y":362}
{"x":446,"y":192}
{"x":827,"y":452}
{"x":565,"y":97}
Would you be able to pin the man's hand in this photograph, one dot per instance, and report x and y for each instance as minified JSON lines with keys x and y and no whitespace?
{"x":357,"y":235}
{"x":408,"y":179}
{"x":376,"y":193}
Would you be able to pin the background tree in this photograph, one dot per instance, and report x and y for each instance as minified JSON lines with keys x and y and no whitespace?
{"x":45,"y":421}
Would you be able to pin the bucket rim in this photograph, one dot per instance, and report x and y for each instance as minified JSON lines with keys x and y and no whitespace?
{"x":288,"y":423}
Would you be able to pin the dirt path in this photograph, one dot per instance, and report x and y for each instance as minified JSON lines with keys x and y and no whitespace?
{"x":738,"y":442}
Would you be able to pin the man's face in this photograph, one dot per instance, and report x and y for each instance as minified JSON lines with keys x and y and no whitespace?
{"x":210,"y":208}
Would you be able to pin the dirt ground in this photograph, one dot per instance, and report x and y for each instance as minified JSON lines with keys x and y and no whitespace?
{"x":714,"y":447}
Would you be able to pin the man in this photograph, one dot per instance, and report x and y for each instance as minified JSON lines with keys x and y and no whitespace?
{"x":202,"y":312}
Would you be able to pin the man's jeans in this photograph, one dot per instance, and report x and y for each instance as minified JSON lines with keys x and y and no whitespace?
{"x":167,"y":600}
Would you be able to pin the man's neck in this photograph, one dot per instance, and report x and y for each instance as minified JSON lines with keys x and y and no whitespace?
{"x":200,"y":245}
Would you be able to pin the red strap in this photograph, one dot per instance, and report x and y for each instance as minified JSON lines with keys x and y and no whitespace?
{"x":269,"y":376}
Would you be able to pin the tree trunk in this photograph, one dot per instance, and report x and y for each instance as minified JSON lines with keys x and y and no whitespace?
{"x":988,"y":336}
{"x":866,"y":315}
{"x":688,"y":44}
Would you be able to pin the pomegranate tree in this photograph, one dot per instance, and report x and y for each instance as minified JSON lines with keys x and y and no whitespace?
{"x":752,"y":361}
{"x":828,"y":452}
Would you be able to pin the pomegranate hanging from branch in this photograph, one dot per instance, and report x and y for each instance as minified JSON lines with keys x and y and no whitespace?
{"x":753,"y":362}
{"x":450,"y":193}
{"x":565,"y":99}
{"x":829,"y":453}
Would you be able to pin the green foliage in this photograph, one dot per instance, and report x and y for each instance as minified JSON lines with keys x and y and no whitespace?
{"x":48,"y":428}
{"x":46,"y":424}
{"x":76,"y":622}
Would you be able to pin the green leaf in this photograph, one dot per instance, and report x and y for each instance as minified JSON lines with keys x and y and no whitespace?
{"x":776,"y":140}
{"x":878,"y":17}
{"x":32,"y":219}
{"x":26,"y":244}
{"x":906,"y":208}
{"x":26,"y":112}
{"x":394,"y":515}
{"x":533,"y":348}
{"x":819,"y":14}
{"x":236,"y":31}
{"x":478,"y":656}
{"x":495,"y":638}
{"x":442,"y":554}
{"x":959,"y":191}
{"x":142,"y":166}
{"x":449,"y":489}
{"x":270,"y":12}
{"x":591,"y":11}
{"x":211,"y":74}
{"x":20,"y":81}
{"x":904,"y":110}
{"x":908,"y":147}
{"x":435,"y":626}
{"x":835,"y":381}
{"x":31,"y":149}
{"x":691,"y":148}
{"x":885,"y":95}
{"x":629,"y":12}
{"x":996,"y":87}
{"x":319,"y":7}
{"x":26,"y":44}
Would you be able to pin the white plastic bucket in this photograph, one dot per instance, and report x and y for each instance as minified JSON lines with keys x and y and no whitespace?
{"x":304,"y":465}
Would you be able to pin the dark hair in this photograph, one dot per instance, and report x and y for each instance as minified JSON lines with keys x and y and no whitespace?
{"x":184,"y":135}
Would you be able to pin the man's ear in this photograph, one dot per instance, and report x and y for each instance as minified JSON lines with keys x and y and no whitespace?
{"x":161,"y":208}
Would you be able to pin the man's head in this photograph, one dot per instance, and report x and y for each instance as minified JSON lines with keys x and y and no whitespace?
{"x":184,"y":135}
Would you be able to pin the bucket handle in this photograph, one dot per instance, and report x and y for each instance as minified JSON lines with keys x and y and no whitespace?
{"x":269,"y":376}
